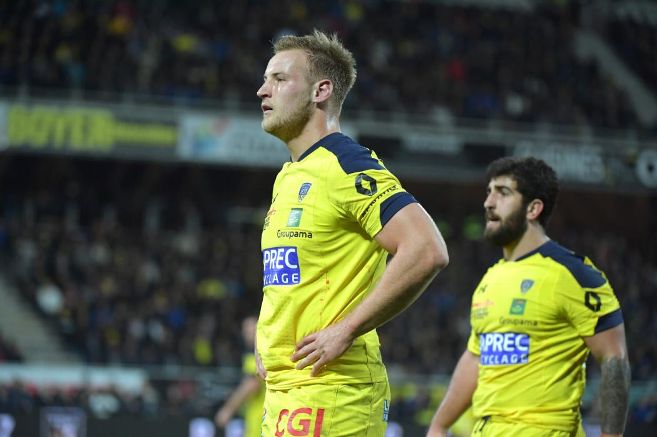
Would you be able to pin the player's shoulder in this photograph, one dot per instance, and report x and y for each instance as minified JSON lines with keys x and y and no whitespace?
{"x":578,"y":266}
{"x":351,"y":156}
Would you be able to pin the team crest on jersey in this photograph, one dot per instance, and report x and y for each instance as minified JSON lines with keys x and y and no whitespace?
{"x":525,"y":285}
{"x":303,"y":190}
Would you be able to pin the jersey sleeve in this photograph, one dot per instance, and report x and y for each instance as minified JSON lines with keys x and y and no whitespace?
{"x":588,"y":300}
{"x":371,"y":196}
{"x":473,"y":343}
{"x":249,"y":364}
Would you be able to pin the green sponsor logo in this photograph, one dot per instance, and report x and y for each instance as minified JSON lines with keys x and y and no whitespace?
{"x":294,"y":218}
{"x":518,"y":307}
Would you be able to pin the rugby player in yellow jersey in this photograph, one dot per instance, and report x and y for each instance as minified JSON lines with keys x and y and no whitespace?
{"x":344,"y":250}
{"x":535,"y":317}
{"x":250,"y":393}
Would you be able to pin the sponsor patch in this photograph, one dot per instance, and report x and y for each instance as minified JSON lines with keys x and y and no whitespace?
{"x":365,"y":184}
{"x":503,"y":348}
{"x":268,"y":217}
{"x":386,"y":410}
{"x":304,"y":421}
{"x":294,"y":218}
{"x":281,"y":266}
{"x":518,"y":322}
{"x":378,"y":198}
{"x":479,"y":309}
{"x":289,"y":234}
{"x":518,"y":307}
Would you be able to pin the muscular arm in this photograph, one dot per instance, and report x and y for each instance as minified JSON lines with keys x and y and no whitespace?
{"x":458,"y":397}
{"x":419,"y":252}
{"x":610,"y":350}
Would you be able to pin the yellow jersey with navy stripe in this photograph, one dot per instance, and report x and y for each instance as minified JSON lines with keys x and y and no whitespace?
{"x":320,"y":258}
{"x":528,"y":318}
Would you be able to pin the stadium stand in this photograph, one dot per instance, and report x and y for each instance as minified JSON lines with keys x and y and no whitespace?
{"x":8,"y":352}
{"x":476,"y":62}
{"x":635,"y":40}
{"x":146,"y":285}
{"x":150,"y":264}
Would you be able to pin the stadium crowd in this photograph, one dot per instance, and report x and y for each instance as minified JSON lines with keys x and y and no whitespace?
{"x":433,"y":58}
{"x":133,"y":270}
{"x":165,"y":284}
{"x":18,"y":397}
{"x":145,"y":264}
{"x":636,"y":42}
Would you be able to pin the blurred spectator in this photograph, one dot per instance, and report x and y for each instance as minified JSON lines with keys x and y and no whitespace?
{"x":49,"y":298}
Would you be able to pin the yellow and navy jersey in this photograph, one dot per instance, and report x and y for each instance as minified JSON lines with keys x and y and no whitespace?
{"x":528,"y":318}
{"x":320,"y":258}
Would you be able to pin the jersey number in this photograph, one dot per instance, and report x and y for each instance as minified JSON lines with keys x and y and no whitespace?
{"x":592,"y":301}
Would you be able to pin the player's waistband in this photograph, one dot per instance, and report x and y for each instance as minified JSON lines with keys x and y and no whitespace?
{"x":483,"y":421}
{"x":281,"y":382}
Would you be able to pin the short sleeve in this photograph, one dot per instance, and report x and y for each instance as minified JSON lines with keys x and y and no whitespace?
{"x":588,"y":300}
{"x":372,"y":196}
{"x":473,"y":343}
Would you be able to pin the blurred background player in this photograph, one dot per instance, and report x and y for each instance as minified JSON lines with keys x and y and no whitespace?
{"x":336,"y":217}
{"x":250,"y":393}
{"x":535,"y":316}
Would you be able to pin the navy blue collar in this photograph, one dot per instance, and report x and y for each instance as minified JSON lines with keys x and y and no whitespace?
{"x":327,"y":141}
{"x":547,"y":248}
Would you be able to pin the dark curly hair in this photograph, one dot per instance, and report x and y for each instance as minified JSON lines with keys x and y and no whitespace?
{"x":535,"y":180}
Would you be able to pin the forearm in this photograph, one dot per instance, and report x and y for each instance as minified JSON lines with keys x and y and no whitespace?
{"x":459,"y":394}
{"x":406,"y":276}
{"x":247,"y":388}
{"x":419,"y":252}
{"x":614,"y":394}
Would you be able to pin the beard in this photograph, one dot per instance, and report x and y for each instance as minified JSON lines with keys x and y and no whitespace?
{"x":509,"y":230}
{"x":289,"y":125}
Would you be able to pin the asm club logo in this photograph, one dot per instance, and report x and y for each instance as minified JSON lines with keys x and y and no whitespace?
{"x":303,"y":190}
{"x":300,"y":422}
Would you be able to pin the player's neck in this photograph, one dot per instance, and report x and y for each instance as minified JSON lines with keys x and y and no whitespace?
{"x":319,"y":126}
{"x":532,"y":239}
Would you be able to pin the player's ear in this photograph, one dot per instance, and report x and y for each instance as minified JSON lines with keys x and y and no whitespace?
{"x":322,"y":90}
{"x":534,"y":209}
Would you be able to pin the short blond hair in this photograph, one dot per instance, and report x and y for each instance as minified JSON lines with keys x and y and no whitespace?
{"x":327,"y":59}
